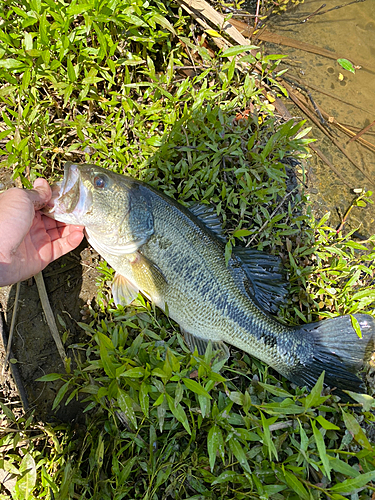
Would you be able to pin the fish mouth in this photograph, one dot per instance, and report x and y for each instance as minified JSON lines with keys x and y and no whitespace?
{"x":70,"y":198}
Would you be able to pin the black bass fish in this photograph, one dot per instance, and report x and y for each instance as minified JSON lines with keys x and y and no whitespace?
{"x":175,"y":257}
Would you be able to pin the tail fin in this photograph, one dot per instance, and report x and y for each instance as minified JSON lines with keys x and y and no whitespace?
{"x":338,"y":351}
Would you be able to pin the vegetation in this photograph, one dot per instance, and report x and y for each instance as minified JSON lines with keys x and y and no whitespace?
{"x":106,"y":82}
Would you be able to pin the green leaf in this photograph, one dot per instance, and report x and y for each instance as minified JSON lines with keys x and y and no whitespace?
{"x":7,"y":412}
{"x":288,"y":409}
{"x":105,"y":341}
{"x":319,"y":440}
{"x":231,"y":69}
{"x":91,"y":78}
{"x":144,"y":399}
{"x":70,"y":68}
{"x":12,"y":64}
{"x":272,"y":489}
{"x":345,"y":64}
{"x":267,"y":439}
{"x":193,"y":386}
{"x":178,"y":413}
{"x":125,"y":472}
{"x":25,"y":485}
{"x":239,"y":453}
{"x":126,"y":405}
{"x":361,"y":203}
{"x":44,"y":29}
{"x":241,"y":232}
{"x":108,"y":365}
{"x":276,"y":391}
{"x":205,"y":405}
{"x":60,"y":394}
{"x":315,"y":398}
{"x":364,"y":294}
{"x":86,"y":327}
{"x":213,"y":33}
{"x":323,"y":220}
{"x":226,"y":477}
{"x":364,"y":399}
{"x":163,"y":21}
{"x":34,"y":52}
{"x":173,"y":361}
{"x":215,"y":443}
{"x":237,"y":49}
{"x":228,"y":251}
{"x":158,"y":372}
{"x":342,"y":467}
{"x":237,"y":397}
{"x":296,"y":485}
{"x":356,"y":431}
{"x":268,"y":147}
{"x":356,"y":326}
{"x":137,"y":372}
{"x":337,"y":496}
{"x":326,"y":424}
{"x":50,"y":377}
{"x":75,"y":8}
{"x":102,"y":42}
{"x":350,"y":485}
{"x":4,"y":92}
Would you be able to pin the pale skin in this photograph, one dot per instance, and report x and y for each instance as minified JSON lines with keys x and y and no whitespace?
{"x":29,"y":240}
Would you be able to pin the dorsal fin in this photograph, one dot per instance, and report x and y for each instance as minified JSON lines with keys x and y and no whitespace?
{"x":207,"y":215}
{"x":268,"y":285}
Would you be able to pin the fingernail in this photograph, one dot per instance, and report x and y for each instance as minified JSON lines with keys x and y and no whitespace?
{"x":39,"y":182}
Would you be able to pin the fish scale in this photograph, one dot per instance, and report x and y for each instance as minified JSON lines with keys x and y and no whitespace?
{"x":176,"y":258}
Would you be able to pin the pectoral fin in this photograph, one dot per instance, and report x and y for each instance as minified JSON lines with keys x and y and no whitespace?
{"x":123,"y":291}
{"x":200,"y":343}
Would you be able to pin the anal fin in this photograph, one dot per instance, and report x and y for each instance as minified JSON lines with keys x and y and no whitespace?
{"x":193,"y":341}
{"x":123,"y":291}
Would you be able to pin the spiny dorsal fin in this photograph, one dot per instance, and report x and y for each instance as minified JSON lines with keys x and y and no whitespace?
{"x":207,"y":215}
{"x":268,"y":285}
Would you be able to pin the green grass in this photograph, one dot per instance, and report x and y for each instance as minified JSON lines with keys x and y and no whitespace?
{"x":104,"y":82}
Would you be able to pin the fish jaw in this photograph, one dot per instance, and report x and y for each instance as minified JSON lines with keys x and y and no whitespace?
{"x":70,"y":199}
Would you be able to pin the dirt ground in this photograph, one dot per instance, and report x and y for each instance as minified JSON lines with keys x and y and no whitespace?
{"x":71,"y":284}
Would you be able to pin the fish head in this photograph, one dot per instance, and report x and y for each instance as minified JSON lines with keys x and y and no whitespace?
{"x":114,"y":209}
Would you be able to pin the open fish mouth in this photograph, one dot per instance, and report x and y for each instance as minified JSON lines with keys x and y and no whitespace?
{"x":70,"y":198}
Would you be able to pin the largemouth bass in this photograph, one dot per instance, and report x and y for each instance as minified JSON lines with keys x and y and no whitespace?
{"x":175,"y":257}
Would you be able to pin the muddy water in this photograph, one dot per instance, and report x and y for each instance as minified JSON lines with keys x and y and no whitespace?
{"x":350,"y":32}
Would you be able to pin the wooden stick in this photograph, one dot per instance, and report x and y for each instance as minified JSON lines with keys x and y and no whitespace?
{"x":49,"y":315}
{"x":305,"y":109}
{"x":201,"y":10}
{"x":12,"y":325}
{"x":268,"y":36}
{"x":331,"y":166}
{"x":257,"y":14}
{"x":363,"y":131}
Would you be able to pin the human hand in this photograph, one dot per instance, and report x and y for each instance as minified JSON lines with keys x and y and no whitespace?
{"x":29,"y":240}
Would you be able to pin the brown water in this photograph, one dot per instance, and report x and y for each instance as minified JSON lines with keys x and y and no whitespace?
{"x":349,"y":31}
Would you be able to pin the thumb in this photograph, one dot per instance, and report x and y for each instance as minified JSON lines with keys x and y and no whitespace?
{"x":41,"y":194}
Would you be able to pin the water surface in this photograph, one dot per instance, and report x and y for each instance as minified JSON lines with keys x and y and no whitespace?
{"x":350,"y":32}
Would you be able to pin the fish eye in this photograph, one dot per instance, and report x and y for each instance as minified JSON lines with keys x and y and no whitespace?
{"x":100,"y":181}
